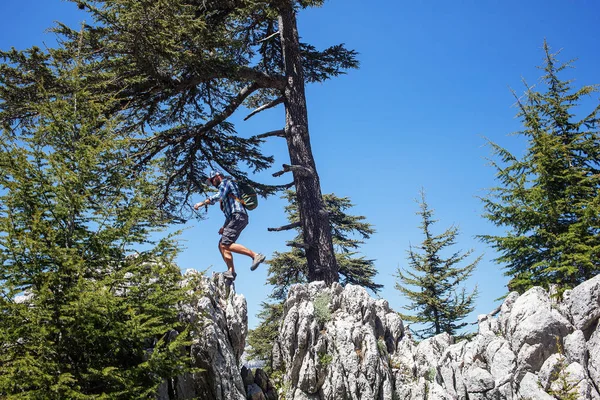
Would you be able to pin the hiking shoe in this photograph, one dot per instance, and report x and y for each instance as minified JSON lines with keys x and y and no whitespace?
{"x":229,"y":275}
{"x":256,"y":261}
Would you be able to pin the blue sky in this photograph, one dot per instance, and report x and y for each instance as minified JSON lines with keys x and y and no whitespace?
{"x":434,"y":82}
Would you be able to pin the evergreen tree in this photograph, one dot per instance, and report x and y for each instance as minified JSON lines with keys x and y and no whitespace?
{"x":434,"y":299}
{"x":179,"y":70}
{"x":82,"y":316}
{"x":288,"y":268}
{"x":549,"y":199}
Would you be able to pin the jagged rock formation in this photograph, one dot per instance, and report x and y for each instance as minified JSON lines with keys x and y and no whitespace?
{"x":220,"y":318}
{"x":339,"y":343}
{"x":258,"y":385}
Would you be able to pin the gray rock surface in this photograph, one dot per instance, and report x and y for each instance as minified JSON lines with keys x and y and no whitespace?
{"x":338,"y":343}
{"x":533,"y":347}
{"x":220,"y":318}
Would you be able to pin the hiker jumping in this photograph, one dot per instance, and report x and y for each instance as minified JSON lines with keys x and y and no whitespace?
{"x":236,"y":219}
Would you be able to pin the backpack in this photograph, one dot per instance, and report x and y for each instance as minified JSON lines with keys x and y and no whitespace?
{"x":248,"y":197}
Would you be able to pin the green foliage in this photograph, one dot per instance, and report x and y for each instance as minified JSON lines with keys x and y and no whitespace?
{"x":565,"y":387}
{"x":434,"y":279}
{"x":82,"y":315}
{"x":321,"y":304}
{"x":286,"y":269}
{"x":431,"y":374}
{"x":349,"y":233}
{"x":325,"y":359}
{"x":181,"y":68}
{"x":548,"y":200}
{"x":261,"y":338}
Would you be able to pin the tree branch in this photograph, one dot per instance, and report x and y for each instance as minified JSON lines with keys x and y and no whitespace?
{"x":279,"y":133}
{"x":230,"y":109}
{"x":299,"y":169}
{"x":485,"y":317}
{"x":264,"y":107}
{"x":271,"y":36}
{"x":264,"y":80}
{"x":285,"y":227}
{"x":299,"y":245}
{"x":167,"y":139}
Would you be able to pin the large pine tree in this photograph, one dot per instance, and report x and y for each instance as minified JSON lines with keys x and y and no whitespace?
{"x":179,"y":70}
{"x":288,"y":268}
{"x":431,"y":280}
{"x":82,"y":314}
{"x":549,"y":199}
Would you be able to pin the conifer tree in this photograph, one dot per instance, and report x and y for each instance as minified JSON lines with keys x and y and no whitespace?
{"x":431,"y":281}
{"x":82,"y":316}
{"x":288,"y":268}
{"x":549,"y":199}
{"x":181,"y":68}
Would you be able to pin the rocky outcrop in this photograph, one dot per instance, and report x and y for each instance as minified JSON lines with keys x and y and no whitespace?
{"x":220,"y":319}
{"x":338,"y":343}
{"x":258,"y":385}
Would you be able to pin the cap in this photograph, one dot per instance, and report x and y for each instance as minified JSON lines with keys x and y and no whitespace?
{"x":211,"y":175}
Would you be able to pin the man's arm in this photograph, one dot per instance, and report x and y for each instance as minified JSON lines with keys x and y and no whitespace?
{"x":220,"y":195}
{"x":202,"y":203}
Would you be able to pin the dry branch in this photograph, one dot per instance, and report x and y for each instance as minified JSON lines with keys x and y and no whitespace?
{"x":264,"y":107}
{"x":285,"y":227}
{"x":279,"y":133}
{"x":298,"y":169}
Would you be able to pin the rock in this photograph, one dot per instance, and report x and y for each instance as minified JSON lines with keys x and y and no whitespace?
{"x":339,"y":343}
{"x":530,"y":388}
{"x":570,"y":380}
{"x":261,"y":379}
{"x":479,"y":381}
{"x":550,"y":370}
{"x":247,"y":376}
{"x":583,"y":304}
{"x":255,"y":393}
{"x":221,"y":317}
{"x":271,"y":394}
{"x":450,"y":369}
{"x":429,"y":351}
{"x":533,"y":327}
{"x":575,"y":348}
{"x":347,"y":356}
{"x":593,"y":347}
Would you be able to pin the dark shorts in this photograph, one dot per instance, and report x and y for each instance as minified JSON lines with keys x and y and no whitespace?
{"x":235,"y":226}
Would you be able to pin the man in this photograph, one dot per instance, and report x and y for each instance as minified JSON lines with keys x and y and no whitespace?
{"x":236,"y":219}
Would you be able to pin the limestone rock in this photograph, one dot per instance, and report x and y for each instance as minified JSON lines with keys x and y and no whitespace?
{"x":339,"y":343}
{"x":220,"y":317}
{"x":362,"y":350}
{"x":583,"y":304}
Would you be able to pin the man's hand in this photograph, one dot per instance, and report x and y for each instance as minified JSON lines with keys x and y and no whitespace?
{"x":221,"y":231}
{"x":198,"y":205}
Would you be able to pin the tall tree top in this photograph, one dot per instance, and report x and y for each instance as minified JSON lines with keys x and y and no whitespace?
{"x":180,"y":69}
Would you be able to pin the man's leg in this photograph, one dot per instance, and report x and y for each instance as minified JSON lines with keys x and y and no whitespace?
{"x":227,"y":244}
{"x":238,"y":248}
{"x":227,"y":249}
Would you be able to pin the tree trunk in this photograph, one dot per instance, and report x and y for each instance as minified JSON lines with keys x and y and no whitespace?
{"x":316,"y":229}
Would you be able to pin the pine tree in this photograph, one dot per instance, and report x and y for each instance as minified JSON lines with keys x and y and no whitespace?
{"x":83,"y":316}
{"x":288,"y":268}
{"x":179,"y":70}
{"x":548,"y":200}
{"x":434,"y":280}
